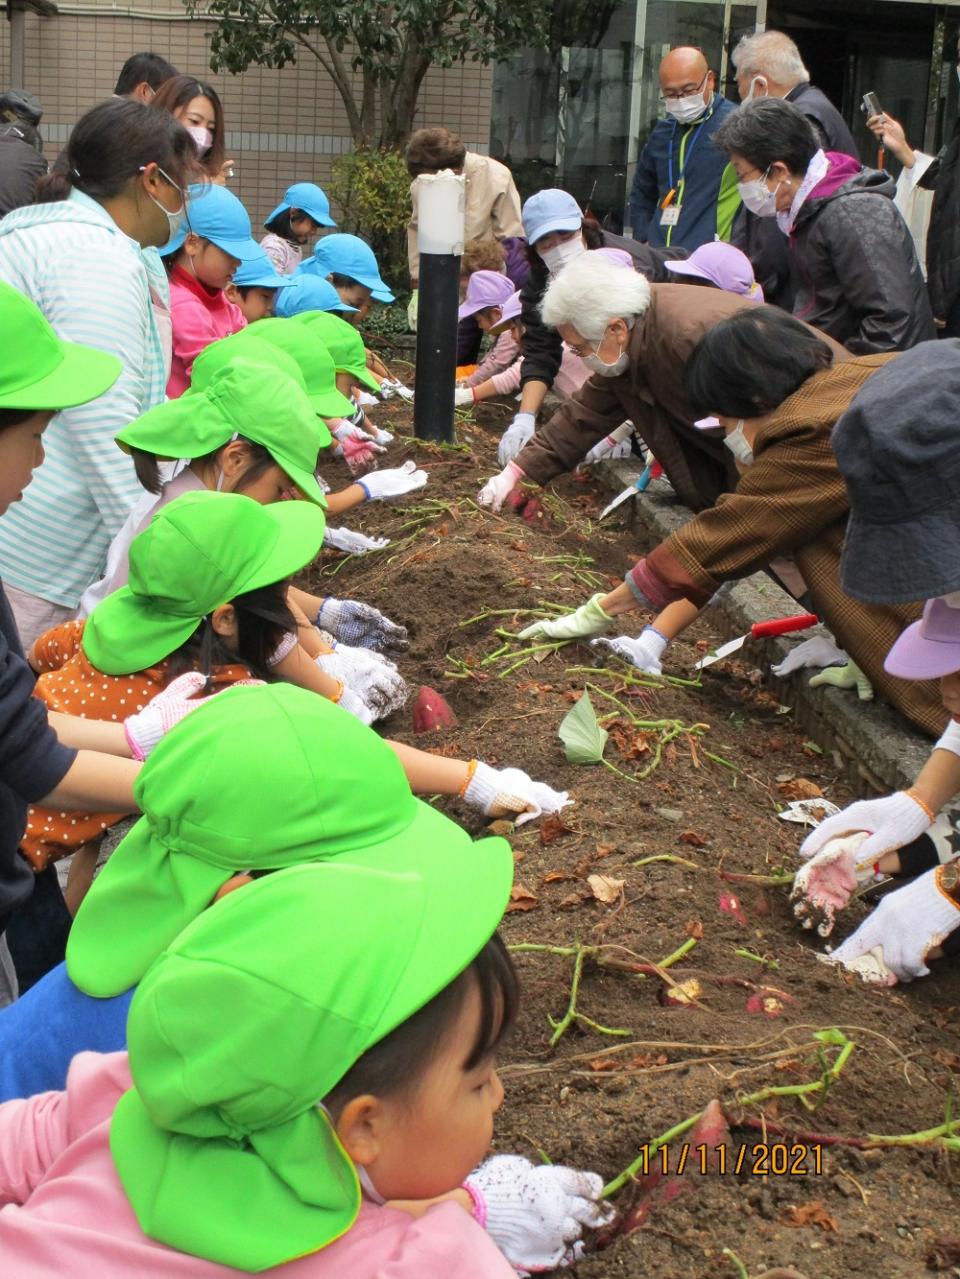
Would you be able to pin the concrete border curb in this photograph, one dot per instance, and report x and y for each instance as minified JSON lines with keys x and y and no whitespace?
{"x":876,"y":749}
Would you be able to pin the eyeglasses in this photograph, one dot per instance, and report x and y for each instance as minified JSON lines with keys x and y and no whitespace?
{"x":674,"y":95}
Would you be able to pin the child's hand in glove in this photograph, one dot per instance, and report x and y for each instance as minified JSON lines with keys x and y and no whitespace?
{"x":644,"y":652}
{"x":500,"y":792}
{"x":536,"y":1214}
{"x":849,"y":676}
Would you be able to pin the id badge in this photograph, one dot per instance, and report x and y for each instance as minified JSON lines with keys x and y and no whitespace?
{"x":670,"y":216}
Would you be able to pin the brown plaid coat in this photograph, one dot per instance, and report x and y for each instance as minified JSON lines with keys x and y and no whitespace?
{"x":793,"y":499}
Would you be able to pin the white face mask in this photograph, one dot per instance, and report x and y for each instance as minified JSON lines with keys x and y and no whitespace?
{"x":951,"y":599}
{"x":202,"y":138}
{"x":758,"y":198}
{"x":597,"y":365}
{"x":563,"y":254}
{"x":752,"y":94}
{"x":686,"y":110}
{"x":736,"y":442}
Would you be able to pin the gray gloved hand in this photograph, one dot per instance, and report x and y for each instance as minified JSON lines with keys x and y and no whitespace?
{"x":360,"y":625}
{"x":819,"y":650}
{"x":520,"y":430}
{"x":345,"y":539}
{"x":372,"y":678}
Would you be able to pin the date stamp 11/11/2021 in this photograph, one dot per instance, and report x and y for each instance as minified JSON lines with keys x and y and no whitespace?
{"x":759,"y":1159}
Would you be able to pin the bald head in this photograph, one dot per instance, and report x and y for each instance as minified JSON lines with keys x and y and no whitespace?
{"x":685,"y":71}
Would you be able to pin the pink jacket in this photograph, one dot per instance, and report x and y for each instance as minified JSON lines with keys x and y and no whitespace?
{"x":571,"y":376}
{"x":199,"y":318}
{"x":63,"y":1210}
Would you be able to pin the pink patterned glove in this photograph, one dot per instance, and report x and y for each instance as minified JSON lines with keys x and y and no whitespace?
{"x":166,"y":710}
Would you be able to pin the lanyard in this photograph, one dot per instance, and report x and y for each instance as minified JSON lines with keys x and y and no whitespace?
{"x":684,"y":154}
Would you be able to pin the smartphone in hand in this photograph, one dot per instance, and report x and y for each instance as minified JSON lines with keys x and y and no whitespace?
{"x":870,"y":105}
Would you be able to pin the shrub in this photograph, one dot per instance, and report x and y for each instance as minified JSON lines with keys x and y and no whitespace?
{"x":372,"y":189}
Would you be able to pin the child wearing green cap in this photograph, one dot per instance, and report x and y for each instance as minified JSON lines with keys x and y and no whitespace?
{"x":39,"y":375}
{"x":242,"y":748}
{"x":339,"y":1127}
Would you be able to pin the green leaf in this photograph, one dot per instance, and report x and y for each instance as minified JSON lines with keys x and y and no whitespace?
{"x":583,"y":738}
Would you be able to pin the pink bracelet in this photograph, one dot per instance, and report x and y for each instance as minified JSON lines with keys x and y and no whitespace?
{"x":479,"y":1204}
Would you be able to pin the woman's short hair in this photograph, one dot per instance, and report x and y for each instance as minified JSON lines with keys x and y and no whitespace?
{"x":766,"y":131}
{"x":591,"y":292}
{"x":430,"y":150}
{"x":482,"y":254}
{"x":749,"y":364}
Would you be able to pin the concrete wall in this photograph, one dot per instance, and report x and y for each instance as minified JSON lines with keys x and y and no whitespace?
{"x":282,"y":126}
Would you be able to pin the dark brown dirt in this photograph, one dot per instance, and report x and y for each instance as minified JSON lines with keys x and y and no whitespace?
{"x":595,"y":1100}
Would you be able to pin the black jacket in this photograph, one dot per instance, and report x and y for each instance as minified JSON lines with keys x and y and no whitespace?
{"x":825,"y":118}
{"x":32,"y":761}
{"x":943,"y":235}
{"x":21,"y":166}
{"x":855,"y":266}
{"x":543,"y":347}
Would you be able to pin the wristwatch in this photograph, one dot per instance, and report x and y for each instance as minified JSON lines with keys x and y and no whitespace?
{"x":949,"y":880}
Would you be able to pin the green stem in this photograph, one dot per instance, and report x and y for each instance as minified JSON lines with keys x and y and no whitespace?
{"x":667,"y":857}
{"x":675,"y":956}
{"x":561,"y":1027}
{"x":758,"y":959}
{"x":741,"y":1269}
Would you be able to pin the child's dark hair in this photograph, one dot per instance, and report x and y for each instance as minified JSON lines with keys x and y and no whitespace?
{"x":179,"y":92}
{"x":342,"y":281}
{"x":147,"y":465}
{"x":396,"y":1063}
{"x":15,"y":417}
{"x":263,"y":618}
{"x":111,"y":144}
{"x":280,"y":225}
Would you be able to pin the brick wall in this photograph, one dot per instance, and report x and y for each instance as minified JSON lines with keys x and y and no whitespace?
{"x":282,"y":126}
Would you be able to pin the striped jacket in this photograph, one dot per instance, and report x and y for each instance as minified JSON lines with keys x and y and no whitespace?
{"x":95,"y":285}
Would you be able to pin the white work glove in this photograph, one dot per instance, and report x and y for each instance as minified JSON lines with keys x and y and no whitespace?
{"x":390,"y":387}
{"x":345,"y":539}
{"x":360,"y":625}
{"x":374,"y":679}
{"x":358,"y":450}
{"x":616,"y":444}
{"x":589,"y":619}
{"x":847,"y":676}
{"x":341,"y":429}
{"x":824,"y":885}
{"x":892,"y":945}
{"x":166,"y":710}
{"x":502,"y":791}
{"x":413,"y":307}
{"x":496,"y":491}
{"x":355,"y":706}
{"x":515,"y":437}
{"x":379,"y":436}
{"x":819,"y":650}
{"x":535,"y":1214}
{"x":464,"y":395}
{"x":394,"y":482}
{"x":891,"y":822}
{"x":644,"y":652}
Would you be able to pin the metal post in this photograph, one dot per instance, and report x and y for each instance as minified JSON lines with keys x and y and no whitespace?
{"x":440,"y":244}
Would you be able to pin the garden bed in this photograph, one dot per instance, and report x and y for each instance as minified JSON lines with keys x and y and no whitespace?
{"x":698,"y":774}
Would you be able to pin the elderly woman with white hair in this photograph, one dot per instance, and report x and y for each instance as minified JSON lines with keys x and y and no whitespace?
{"x":636,"y":338}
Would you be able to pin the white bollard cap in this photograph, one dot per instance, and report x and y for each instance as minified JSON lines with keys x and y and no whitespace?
{"x":440,"y":220}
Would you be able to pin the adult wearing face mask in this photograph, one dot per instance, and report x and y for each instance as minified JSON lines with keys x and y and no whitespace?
{"x":683,"y":194}
{"x":853,"y":259}
{"x":768,"y":65}
{"x":197,"y":106}
{"x":777,"y":392}
{"x":896,"y":450}
{"x":557,"y":235}
{"x":635,"y":337}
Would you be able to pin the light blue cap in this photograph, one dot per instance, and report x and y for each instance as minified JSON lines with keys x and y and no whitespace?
{"x":217,"y":215}
{"x":309,"y":199}
{"x":550,"y":210}
{"x":348,"y":255}
{"x":260,"y":273}
{"x":309,"y":293}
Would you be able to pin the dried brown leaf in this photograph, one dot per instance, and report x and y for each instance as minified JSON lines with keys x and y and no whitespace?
{"x":800,"y":788}
{"x":522,"y":899}
{"x":693,"y":838}
{"x":552,"y":828}
{"x":809,"y":1214}
{"x":605,"y":888}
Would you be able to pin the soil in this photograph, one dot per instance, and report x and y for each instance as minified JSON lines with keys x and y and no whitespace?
{"x":594,"y":1100}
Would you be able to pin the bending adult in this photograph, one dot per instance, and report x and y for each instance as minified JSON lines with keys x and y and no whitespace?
{"x":197,"y":106}
{"x":777,"y":392}
{"x":636,"y":338}
{"x":897,"y":453}
{"x":557,"y":235}
{"x":81,"y":257}
{"x":855,"y":266}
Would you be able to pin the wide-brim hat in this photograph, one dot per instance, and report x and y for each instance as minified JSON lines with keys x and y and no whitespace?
{"x":318,"y":368}
{"x":930,"y":648}
{"x":309,"y":199}
{"x":343,"y":343}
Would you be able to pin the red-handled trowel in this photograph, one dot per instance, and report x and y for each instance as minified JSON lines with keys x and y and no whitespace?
{"x":760,"y":630}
